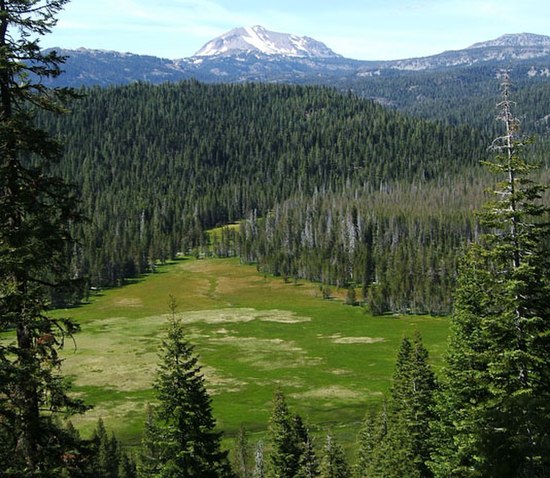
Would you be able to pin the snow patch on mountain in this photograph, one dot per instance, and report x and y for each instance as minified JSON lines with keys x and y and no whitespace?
{"x":258,"y":40}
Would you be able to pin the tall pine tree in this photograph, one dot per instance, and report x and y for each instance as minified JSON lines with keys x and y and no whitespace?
{"x":186,"y":439}
{"x":372,"y":432}
{"x":333,"y":462}
{"x":291,"y":451}
{"x":36,"y":210}
{"x":495,"y":403}
{"x":308,"y":465}
{"x":285,"y":451}
{"x":150,"y":454}
{"x":402,"y":446}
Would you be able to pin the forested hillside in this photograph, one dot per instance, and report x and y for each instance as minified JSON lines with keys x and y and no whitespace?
{"x":389,"y":196}
{"x":463,"y":95}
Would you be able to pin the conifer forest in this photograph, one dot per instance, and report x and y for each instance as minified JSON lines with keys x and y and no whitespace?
{"x":436,"y":209}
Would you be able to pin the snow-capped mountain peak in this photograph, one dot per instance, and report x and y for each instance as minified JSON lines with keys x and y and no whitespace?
{"x":258,"y":40}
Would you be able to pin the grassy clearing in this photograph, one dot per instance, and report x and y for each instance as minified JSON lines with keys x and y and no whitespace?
{"x":253,"y":334}
{"x":215,"y":234}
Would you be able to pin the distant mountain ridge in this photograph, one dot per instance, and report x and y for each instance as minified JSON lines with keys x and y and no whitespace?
{"x":515,"y":40}
{"x":255,"y":54}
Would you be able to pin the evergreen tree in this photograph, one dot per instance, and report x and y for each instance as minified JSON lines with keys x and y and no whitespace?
{"x":404,"y":449}
{"x":411,"y":413}
{"x":78,"y":455}
{"x":149,"y":459}
{"x":308,"y":465}
{"x":394,"y":457}
{"x":292,"y":453}
{"x":351,"y":297}
{"x":372,"y":432}
{"x":99,"y":457}
{"x":106,"y":453}
{"x":286,"y":445}
{"x":187,"y":440}
{"x":36,"y":210}
{"x":333,"y":462}
{"x":241,"y":454}
{"x":494,"y":405}
{"x":127,"y":467}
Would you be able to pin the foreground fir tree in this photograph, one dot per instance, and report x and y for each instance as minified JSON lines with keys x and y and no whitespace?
{"x":186,"y":442}
{"x":106,"y":458}
{"x":333,"y":462}
{"x":36,"y":210}
{"x":407,"y":442}
{"x":292,"y":453}
{"x":285,"y":450}
{"x":372,"y":432}
{"x":397,"y":443}
{"x":106,"y":453}
{"x":495,"y":403}
{"x":308,"y":465}
{"x":150,"y":457}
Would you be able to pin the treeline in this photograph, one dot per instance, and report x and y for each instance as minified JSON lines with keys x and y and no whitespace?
{"x":400,"y":246}
{"x":157,"y":165}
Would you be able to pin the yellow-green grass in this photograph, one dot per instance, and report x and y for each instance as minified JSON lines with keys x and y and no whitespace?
{"x":253,"y":334}
{"x":215,"y":234}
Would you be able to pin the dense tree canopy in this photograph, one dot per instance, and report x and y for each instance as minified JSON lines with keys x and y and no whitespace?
{"x":399,"y":246}
{"x":159,"y":164}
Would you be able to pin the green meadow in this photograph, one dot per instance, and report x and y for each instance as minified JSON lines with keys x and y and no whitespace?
{"x":253,"y":333}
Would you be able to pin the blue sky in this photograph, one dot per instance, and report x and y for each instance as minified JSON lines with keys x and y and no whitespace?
{"x":361,"y":29}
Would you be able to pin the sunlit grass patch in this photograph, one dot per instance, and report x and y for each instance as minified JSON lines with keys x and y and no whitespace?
{"x":330,"y":392}
{"x":240,"y":314}
{"x":338,"y":339}
{"x":129,"y":302}
{"x":215,"y":234}
{"x":268,"y":354}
